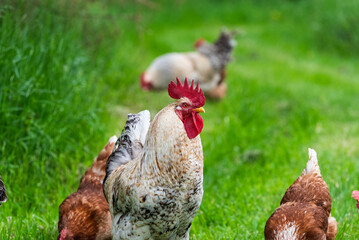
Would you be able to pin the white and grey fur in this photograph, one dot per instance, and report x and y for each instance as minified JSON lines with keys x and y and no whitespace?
{"x":204,"y":66}
{"x":130,"y":143}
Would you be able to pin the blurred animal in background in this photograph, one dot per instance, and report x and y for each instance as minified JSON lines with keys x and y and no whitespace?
{"x":154,"y":177}
{"x":355,"y":195}
{"x":3,"y":196}
{"x":85,"y":214}
{"x":207,"y":66}
{"x":304,"y":211}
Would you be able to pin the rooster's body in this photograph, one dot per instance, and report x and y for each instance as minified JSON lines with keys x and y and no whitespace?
{"x":157,"y":193}
{"x":304,"y":213}
{"x":85,"y":214}
{"x":207,"y":66}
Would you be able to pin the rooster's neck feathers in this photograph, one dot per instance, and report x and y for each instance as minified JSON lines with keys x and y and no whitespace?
{"x":167,"y":150}
{"x":162,"y":150}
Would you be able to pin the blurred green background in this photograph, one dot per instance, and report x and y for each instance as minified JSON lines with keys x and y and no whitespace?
{"x":69,"y":75}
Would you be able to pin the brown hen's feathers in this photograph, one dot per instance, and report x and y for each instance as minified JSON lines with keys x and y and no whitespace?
{"x":85,"y":214}
{"x":332,"y":228}
{"x":304,"y":220}
{"x":310,"y":187}
{"x":305,"y":208}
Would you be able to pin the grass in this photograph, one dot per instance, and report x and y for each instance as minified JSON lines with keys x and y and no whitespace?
{"x":69,"y":76}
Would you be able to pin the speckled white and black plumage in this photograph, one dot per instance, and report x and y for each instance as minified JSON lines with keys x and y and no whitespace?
{"x":304,"y":213}
{"x":3,"y":196}
{"x":157,"y":194}
{"x":131,"y":141}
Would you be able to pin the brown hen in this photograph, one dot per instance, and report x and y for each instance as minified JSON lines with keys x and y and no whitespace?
{"x":304,"y":213}
{"x":85,"y":214}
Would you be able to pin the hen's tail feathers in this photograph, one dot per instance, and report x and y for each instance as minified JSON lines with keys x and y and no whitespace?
{"x":332,"y":228}
{"x":131,"y":141}
{"x":3,"y":196}
{"x":312,"y":164}
{"x":224,"y":47}
{"x":106,"y":150}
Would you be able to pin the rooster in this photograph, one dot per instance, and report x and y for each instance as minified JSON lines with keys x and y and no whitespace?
{"x":154,"y":176}
{"x":355,"y":195}
{"x":85,"y":214}
{"x":304,"y":212}
{"x":3,"y":196}
{"x":207,"y":66}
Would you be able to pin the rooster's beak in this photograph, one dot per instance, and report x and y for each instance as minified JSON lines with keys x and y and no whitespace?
{"x":198,"y":110}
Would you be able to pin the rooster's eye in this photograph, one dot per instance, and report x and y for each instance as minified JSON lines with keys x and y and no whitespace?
{"x":185,"y":105}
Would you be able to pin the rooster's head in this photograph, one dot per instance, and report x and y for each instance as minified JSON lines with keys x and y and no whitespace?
{"x":188,"y":106}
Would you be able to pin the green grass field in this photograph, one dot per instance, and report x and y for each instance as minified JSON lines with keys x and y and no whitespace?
{"x":69,"y":76}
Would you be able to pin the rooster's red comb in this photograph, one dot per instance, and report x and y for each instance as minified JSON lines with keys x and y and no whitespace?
{"x":179,"y":91}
